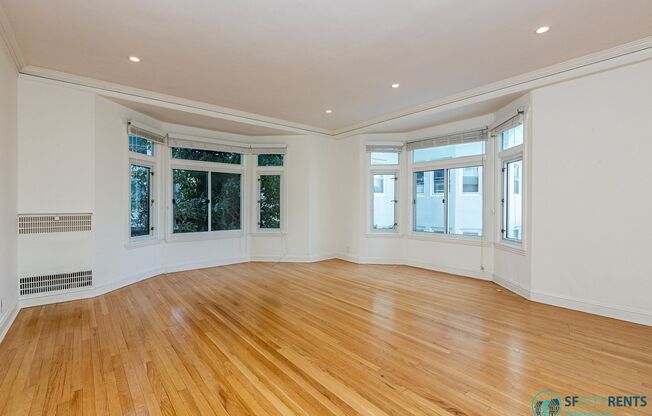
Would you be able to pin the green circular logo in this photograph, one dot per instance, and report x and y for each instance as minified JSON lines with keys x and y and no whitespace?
{"x":547,"y":403}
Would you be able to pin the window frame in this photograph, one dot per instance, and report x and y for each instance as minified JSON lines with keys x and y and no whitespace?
{"x":383,"y":169}
{"x":270,"y":170}
{"x":208,"y":167}
{"x":446,"y":164}
{"x":151,"y":162}
{"x":510,"y":155}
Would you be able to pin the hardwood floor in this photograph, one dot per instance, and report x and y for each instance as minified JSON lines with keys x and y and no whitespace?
{"x":314,"y":339}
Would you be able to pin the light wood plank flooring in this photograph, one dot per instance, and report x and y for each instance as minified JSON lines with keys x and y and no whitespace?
{"x":327,"y":338}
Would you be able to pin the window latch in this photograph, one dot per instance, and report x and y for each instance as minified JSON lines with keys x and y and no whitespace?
{"x":394,"y":201}
{"x":151,"y":229}
{"x":502,"y":231}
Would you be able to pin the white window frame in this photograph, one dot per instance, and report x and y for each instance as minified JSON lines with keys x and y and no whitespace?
{"x":270,"y":170}
{"x":378,"y":169}
{"x":504,"y":157}
{"x":208,"y":167}
{"x":150,"y":162}
{"x":445,"y":164}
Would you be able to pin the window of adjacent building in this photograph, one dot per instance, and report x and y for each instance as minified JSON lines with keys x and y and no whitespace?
{"x":429,"y":208}
{"x":471,"y":179}
{"x":464,"y":207}
{"x":383,"y":158}
{"x":140,"y":200}
{"x":203,"y":155}
{"x":384,"y":201}
{"x":269,"y":201}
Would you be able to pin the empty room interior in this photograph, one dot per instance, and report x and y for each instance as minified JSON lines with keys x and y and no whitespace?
{"x":365,"y":207}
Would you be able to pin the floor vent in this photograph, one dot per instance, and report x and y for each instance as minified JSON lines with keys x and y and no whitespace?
{"x":55,"y":282}
{"x":53,"y":223}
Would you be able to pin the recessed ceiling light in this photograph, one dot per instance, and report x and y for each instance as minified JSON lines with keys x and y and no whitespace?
{"x":329,"y":111}
{"x":542,"y":29}
{"x":134,"y":59}
{"x":396,"y":85}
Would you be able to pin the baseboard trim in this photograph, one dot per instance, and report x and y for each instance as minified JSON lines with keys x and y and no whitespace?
{"x":204,"y":264}
{"x":294,"y":259}
{"x":8,"y":319}
{"x":512,"y":286}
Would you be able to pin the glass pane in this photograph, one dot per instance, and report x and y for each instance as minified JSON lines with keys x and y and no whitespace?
{"x":465,"y":207}
{"x":270,"y":201}
{"x":140,"y":200}
{"x":206,"y":155}
{"x":384,"y":158}
{"x":513,"y":200}
{"x":270,"y":160}
{"x":225,"y":201}
{"x":140,"y":145}
{"x":512,"y":137}
{"x":429,"y":202}
{"x":384,"y":204}
{"x":190,"y":201}
{"x":448,"y":152}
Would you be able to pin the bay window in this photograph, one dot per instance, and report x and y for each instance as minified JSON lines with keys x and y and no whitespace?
{"x":447,"y":192}
{"x":510,"y":156}
{"x":383,"y":186}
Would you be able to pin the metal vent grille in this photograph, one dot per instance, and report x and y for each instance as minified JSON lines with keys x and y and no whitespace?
{"x":53,"y":223}
{"x":55,"y":282}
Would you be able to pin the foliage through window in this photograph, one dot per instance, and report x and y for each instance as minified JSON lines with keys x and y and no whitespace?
{"x":225,"y":201}
{"x":140,"y":184}
{"x":190,"y":201}
{"x":206,"y":155}
{"x":269,"y":202}
{"x":141,"y":145}
{"x":270,"y":160}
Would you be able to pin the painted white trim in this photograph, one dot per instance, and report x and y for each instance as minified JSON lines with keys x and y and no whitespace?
{"x":7,"y":35}
{"x":625,"y":54}
{"x":8,"y":319}
{"x":517,"y":288}
{"x":294,"y":259}
{"x":182,"y":267}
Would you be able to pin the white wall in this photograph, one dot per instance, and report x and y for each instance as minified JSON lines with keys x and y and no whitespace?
{"x":8,"y":199}
{"x":592,"y":191}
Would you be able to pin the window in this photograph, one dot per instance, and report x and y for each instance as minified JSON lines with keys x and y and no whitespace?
{"x":438,"y":182}
{"x":384,"y":202}
{"x":225,"y":201}
{"x":269,"y":201}
{"x":448,"y":152}
{"x":270,"y":160}
{"x":206,"y":155}
{"x":429,"y":214}
{"x":471,"y":180}
{"x":140,"y":200}
{"x":512,"y":137}
{"x":384,"y":158}
{"x":512,"y":201}
{"x":464,"y":208}
{"x":141,"y":145}
{"x":419,"y":179}
{"x":190,"y":201}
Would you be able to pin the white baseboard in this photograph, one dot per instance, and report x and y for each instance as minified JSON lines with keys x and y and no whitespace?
{"x":611,"y":311}
{"x":7,"y":319}
{"x":295,"y":259}
{"x":204,"y":264}
{"x":512,"y":286}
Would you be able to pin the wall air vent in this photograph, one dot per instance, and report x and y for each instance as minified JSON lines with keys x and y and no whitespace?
{"x":55,"y":282}
{"x":53,"y":223}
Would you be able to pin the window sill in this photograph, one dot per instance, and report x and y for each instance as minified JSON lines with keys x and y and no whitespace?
{"x":509,"y":247}
{"x":203,"y":236}
{"x":271,"y":233}
{"x":383,"y":234}
{"x":142,"y":242}
{"x":448,"y":238}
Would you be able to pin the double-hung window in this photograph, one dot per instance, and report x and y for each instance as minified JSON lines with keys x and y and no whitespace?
{"x":144,"y":144}
{"x":447,"y":178}
{"x":270,"y":170}
{"x":383,"y":186}
{"x":509,"y":136}
{"x":207,"y":183}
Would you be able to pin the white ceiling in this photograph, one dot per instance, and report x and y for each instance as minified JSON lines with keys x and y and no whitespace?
{"x":292,"y":60}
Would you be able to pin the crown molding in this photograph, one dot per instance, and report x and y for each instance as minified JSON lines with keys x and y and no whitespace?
{"x":625,"y":54}
{"x":7,"y":35}
{"x":109,"y":89}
